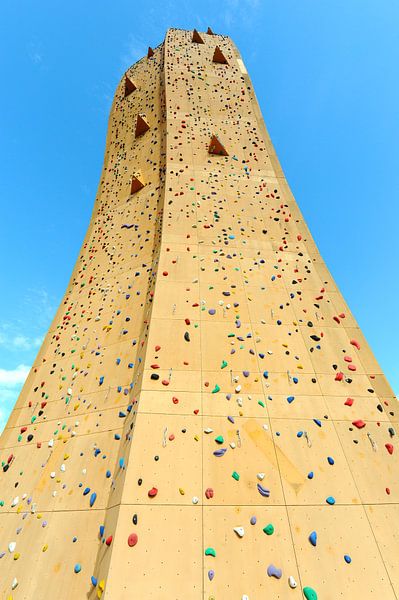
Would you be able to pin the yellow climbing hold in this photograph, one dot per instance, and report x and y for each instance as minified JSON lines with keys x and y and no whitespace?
{"x":45,"y":547}
{"x":182,"y":492}
{"x":16,"y":556}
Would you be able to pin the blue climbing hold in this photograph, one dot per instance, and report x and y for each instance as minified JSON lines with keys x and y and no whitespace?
{"x":313,"y":538}
{"x":330,"y":500}
{"x":347,"y":559}
{"x":93,"y":498}
{"x":330,"y":460}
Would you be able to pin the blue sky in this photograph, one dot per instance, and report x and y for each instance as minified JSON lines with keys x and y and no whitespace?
{"x":325,"y":74}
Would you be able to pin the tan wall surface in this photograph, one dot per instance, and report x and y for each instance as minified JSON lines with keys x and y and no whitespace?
{"x":199,"y":319}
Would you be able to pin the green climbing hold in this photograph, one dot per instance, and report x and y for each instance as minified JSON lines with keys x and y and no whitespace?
{"x":269,"y":529}
{"x":309,"y":593}
{"x":223,"y":365}
{"x":216,"y":389}
{"x":219,"y":439}
{"x":210,"y":552}
{"x":235,"y":475}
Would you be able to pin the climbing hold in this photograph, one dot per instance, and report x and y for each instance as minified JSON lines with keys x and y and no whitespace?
{"x":93,"y":498}
{"x":330,"y":500}
{"x":216,"y":389}
{"x":210,"y":552}
{"x":359,"y":424}
{"x":132,"y":539}
{"x":273,"y":571}
{"x":310,"y":475}
{"x":263,"y":491}
{"x":330,"y":460}
{"x":109,"y":539}
{"x":309,"y":593}
{"x":209,"y":493}
{"x":152,"y":492}
{"x":390,"y":448}
{"x":253,"y":520}
{"x":235,"y":475}
{"x":187,"y":336}
{"x":211,"y":574}
{"x":347,"y":559}
{"x":77,"y":568}
{"x":291,"y":582}
{"x":313,"y":538}
{"x":269,"y":529}
{"x":239,"y":531}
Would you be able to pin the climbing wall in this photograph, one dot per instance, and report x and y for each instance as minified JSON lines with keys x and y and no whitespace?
{"x":204,"y":420}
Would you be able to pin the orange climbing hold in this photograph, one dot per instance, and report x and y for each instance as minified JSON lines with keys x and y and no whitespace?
{"x":209,"y":31}
{"x":216,"y":147}
{"x":150,"y":52}
{"x":141,"y":126}
{"x":196,"y":37}
{"x":219,"y":57}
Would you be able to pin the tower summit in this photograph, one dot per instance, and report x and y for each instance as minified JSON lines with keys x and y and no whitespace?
{"x":204,"y":419}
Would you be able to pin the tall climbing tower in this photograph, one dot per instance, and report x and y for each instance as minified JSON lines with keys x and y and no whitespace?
{"x":204,"y":420}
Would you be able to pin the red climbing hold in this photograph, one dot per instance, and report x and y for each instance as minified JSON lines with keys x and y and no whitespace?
{"x":389,"y":447}
{"x":209,"y":493}
{"x":359,"y":424}
{"x":108,"y":541}
{"x":299,"y":237}
{"x":352,"y":367}
{"x":132,"y":539}
{"x":175,"y":400}
{"x":388,"y":491}
{"x":187,"y":321}
{"x":165,"y":273}
{"x":153,"y":492}
{"x":157,"y":348}
{"x":356,"y":344}
{"x":339,"y":376}
{"x":348,"y":402}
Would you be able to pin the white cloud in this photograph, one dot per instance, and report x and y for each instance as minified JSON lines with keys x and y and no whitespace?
{"x":133,"y":51}
{"x":26,"y":343}
{"x":12,"y":377}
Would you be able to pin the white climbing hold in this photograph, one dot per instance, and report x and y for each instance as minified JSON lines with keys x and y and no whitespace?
{"x":195,"y":500}
{"x":52,"y":474}
{"x":245,"y":597}
{"x":239,"y":531}
{"x":14,"y":583}
{"x":62,"y":468}
{"x":260,"y":476}
{"x":292,"y":583}
{"x":232,"y":445}
{"x":84,"y":471}
{"x":12,"y":546}
{"x":15,"y":501}
{"x":265,"y":427}
{"x":208,"y":430}
{"x":51,"y":443}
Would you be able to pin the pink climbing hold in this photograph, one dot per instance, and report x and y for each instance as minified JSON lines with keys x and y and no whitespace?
{"x":356,"y":344}
{"x":209,"y":493}
{"x":153,"y":492}
{"x":132,"y":539}
{"x":389,"y":447}
{"x":359,"y":424}
{"x":352,"y":367}
{"x":348,"y":359}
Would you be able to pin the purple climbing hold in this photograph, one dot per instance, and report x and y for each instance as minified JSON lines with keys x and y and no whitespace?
{"x":211,"y":574}
{"x":253,"y":520}
{"x":273,"y":571}
{"x":211,"y":311}
{"x":263,"y":491}
{"x":220,"y":452}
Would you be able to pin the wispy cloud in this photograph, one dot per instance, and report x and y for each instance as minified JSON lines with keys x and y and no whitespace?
{"x":12,"y":377}
{"x":133,"y":50}
{"x":11,"y":382}
{"x":35,"y":52}
{"x":243,"y":12}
